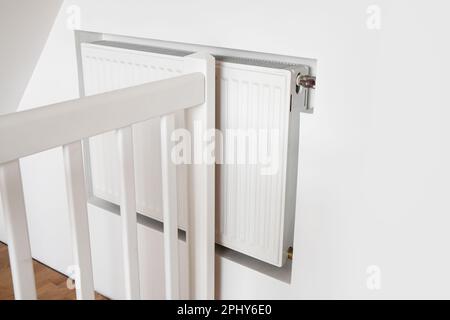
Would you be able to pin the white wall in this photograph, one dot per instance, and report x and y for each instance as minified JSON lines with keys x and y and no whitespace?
{"x":374,"y":177}
{"x":24,"y":27}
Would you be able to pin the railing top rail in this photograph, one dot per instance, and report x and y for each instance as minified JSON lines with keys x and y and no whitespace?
{"x":32,"y":131}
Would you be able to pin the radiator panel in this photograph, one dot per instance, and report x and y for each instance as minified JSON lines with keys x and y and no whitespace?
{"x":250,"y":209}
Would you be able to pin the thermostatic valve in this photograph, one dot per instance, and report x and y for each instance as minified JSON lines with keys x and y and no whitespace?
{"x":306,"y":81}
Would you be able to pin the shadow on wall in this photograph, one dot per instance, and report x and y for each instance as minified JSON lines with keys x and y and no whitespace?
{"x":24,"y":29}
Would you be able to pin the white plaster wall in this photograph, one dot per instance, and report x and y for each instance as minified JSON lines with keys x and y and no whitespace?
{"x":24,"y":27}
{"x":374,"y":177}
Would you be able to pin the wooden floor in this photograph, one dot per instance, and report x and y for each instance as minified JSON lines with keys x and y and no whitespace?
{"x":50,"y":284}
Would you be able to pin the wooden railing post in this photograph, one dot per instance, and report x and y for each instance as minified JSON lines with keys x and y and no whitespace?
{"x":170,"y":210}
{"x":15,"y":218}
{"x":79,"y":224}
{"x":128,"y":213}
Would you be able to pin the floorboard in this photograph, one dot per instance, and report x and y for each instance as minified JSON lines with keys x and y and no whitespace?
{"x":50,"y":284}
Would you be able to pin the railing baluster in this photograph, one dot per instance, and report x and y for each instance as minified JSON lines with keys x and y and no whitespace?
{"x":79,"y":224}
{"x":201,"y":224}
{"x":128,"y":213}
{"x":15,"y":218}
{"x":170,"y":210}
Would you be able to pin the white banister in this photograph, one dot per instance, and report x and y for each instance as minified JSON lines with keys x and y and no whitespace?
{"x":170,"y":210}
{"x":20,"y":260}
{"x":31,"y":131}
{"x":128,"y":212}
{"x":66,"y":124}
{"x":77,"y":199}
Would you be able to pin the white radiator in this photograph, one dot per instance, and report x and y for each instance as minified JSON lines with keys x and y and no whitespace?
{"x":255,"y":202}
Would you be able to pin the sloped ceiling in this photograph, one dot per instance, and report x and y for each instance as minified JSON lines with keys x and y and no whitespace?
{"x":24,"y":28}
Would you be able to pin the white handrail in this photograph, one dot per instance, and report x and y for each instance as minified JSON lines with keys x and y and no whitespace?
{"x":32,"y":131}
{"x":66,"y":124}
